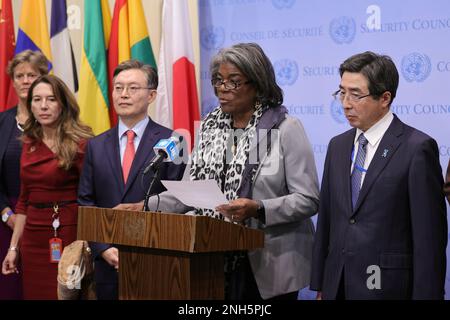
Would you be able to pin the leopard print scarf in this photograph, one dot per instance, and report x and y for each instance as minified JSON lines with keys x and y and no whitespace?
{"x":222,"y":153}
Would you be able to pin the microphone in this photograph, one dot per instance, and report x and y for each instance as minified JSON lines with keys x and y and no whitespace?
{"x":166,"y":150}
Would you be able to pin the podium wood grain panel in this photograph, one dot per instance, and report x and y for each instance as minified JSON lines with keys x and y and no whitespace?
{"x":166,"y":255}
{"x":169,"y":231}
{"x":162,"y":275}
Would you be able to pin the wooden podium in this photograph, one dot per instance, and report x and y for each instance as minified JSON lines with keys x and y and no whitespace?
{"x":167,"y":255}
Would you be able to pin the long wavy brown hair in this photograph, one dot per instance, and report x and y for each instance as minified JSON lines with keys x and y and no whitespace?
{"x":70,"y":131}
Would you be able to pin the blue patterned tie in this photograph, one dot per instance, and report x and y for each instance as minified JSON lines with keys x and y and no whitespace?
{"x":358,"y":168}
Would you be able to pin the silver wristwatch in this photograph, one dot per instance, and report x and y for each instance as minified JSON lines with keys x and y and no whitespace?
{"x":6,"y":215}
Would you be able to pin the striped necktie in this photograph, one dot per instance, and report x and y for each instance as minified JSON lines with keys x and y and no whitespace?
{"x":358,"y":168}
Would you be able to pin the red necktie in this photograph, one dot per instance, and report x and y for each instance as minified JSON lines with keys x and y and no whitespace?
{"x":128,"y":155}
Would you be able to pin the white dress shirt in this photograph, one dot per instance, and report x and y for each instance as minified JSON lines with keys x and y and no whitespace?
{"x":138,"y":129}
{"x":373,"y":136}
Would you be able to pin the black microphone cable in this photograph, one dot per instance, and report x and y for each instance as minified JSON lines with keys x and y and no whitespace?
{"x":155,"y":178}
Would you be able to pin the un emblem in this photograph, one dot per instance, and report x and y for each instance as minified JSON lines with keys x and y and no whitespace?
{"x":337,"y":112}
{"x":212,"y":37}
{"x":286,"y":72}
{"x":416,"y":67}
{"x":135,"y":227}
{"x":342,"y":30}
{"x":283,"y":4}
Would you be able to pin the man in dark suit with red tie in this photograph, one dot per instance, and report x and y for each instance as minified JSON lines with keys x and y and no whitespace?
{"x":115,"y":160}
{"x":382,"y":224}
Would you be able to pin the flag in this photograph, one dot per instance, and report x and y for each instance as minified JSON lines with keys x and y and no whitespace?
{"x":177,"y":104}
{"x":93,"y":91}
{"x":8,"y":97}
{"x":63,"y":59}
{"x":140,"y":45}
{"x":129,"y":39}
{"x":33,"y":29}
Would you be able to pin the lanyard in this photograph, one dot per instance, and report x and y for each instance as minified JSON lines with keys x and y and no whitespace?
{"x":55,"y":243}
{"x":55,"y":216}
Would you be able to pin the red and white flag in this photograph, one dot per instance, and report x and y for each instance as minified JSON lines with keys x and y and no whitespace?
{"x":8,"y":98}
{"x":177,"y":105}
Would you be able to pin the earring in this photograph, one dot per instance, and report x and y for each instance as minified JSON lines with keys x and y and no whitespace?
{"x":258,"y":105}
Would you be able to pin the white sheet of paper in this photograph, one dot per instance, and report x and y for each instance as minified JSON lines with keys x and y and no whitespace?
{"x":199,"y":193}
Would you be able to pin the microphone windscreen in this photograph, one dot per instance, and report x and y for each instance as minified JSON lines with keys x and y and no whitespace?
{"x":170,"y":146}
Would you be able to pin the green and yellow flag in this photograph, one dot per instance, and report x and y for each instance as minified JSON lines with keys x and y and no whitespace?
{"x":129,"y":38}
{"x":93,"y":91}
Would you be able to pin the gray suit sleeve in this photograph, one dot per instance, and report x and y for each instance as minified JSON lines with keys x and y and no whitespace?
{"x":300,"y":178}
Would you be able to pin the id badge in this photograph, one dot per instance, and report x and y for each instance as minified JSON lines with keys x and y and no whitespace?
{"x":55,"y":246}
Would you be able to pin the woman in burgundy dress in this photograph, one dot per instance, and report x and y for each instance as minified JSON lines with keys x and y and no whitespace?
{"x":23,"y":69}
{"x":52,"y":156}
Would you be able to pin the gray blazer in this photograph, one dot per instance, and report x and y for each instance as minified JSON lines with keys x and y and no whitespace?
{"x":287,"y":184}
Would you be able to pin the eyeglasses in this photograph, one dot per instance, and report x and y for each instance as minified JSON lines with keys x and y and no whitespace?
{"x":351,"y":96}
{"x":118,"y":88}
{"x":228,"y":85}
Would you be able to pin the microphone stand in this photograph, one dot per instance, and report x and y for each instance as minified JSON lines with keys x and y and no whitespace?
{"x":147,"y":194}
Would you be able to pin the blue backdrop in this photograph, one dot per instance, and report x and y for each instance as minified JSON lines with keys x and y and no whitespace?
{"x":307,"y":41}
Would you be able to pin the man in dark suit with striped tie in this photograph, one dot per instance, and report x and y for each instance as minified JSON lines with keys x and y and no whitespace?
{"x":382,"y":224}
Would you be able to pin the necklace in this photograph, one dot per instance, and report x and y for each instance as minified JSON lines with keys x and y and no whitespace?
{"x":50,"y":145}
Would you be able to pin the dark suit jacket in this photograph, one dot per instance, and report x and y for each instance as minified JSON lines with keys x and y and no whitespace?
{"x":399,"y":223}
{"x":102,"y":185}
{"x":447,"y":183}
{"x":7,"y":123}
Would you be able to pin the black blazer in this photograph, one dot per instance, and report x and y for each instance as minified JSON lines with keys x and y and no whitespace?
{"x":399,"y":223}
{"x":7,"y":123}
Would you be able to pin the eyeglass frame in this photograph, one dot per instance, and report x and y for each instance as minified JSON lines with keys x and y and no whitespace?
{"x":352,"y":97}
{"x":131,"y":89}
{"x":236,"y":84}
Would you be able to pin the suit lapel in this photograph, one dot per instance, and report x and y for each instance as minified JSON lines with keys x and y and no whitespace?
{"x":388,"y":145}
{"x":7,"y":126}
{"x":262,"y":140}
{"x":113,"y":152}
{"x":345,"y":162}
{"x":143,"y":153}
